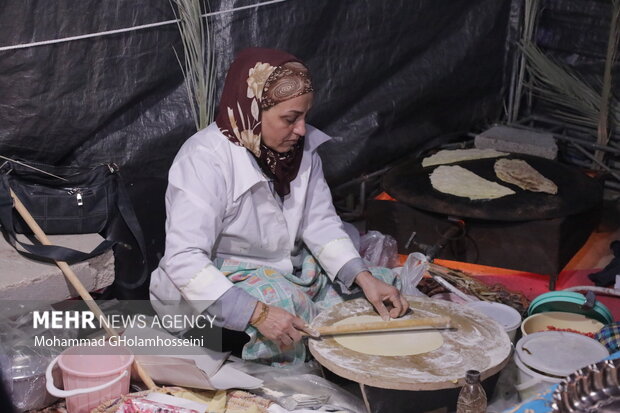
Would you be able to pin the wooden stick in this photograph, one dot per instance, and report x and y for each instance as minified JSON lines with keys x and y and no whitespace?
{"x":77,"y":284}
{"x":453,"y":289}
{"x":408,"y":324}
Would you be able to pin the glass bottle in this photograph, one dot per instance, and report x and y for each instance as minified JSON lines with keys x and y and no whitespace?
{"x":472,"y":398}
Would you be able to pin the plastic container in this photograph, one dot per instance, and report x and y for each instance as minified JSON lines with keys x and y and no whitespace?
{"x":504,"y":314}
{"x":547,"y":357}
{"x":558,"y":319}
{"x":569,"y":302}
{"x":91,"y":376}
{"x":27,"y":377}
{"x":530,"y":383}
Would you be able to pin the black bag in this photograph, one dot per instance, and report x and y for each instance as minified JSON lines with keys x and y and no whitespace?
{"x":67,"y":200}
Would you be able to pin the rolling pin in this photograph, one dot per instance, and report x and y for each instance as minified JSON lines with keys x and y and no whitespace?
{"x":408,"y":324}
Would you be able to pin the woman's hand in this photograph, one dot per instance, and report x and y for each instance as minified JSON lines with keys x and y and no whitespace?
{"x":380,"y":293}
{"x":278,"y":325}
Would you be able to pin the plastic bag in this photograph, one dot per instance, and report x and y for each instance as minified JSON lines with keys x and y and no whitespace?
{"x":27,"y":361}
{"x":6,"y":367}
{"x":379,"y":249}
{"x":412,"y":272}
{"x":19,"y":328}
{"x":296,"y":387}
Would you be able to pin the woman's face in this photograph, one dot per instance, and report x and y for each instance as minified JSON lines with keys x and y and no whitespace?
{"x":284,"y":123}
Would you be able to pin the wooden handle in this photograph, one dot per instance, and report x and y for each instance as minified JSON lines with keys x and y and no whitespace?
{"x":76,"y":283}
{"x":407,"y":324}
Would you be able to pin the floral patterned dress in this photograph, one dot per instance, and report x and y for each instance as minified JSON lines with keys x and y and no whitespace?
{"x":304,"y":295}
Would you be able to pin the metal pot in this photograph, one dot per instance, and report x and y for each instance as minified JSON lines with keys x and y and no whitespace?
{"x":28,"y":366}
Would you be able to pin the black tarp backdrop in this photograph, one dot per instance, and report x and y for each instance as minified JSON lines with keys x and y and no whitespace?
{"x":389,"y":75}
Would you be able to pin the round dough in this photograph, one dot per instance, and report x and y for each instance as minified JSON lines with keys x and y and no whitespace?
{"x":397,"y":343}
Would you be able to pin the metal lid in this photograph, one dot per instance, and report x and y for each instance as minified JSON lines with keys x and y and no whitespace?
{"x":569,"y":302}
{"x":559,"y":353}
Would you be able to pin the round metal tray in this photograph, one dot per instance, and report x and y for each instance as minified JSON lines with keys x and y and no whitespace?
{"x":594,"y":388}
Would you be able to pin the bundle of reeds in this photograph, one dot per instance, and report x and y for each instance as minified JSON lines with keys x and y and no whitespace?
{"x":198,"y":63}
{"x":587,"y":104}
{"x":472,"y":286}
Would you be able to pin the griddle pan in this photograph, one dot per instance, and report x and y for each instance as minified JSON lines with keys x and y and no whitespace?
{"x":409,"y":183}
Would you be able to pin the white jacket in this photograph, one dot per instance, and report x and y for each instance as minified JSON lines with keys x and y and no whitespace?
{"x":219,"y":205}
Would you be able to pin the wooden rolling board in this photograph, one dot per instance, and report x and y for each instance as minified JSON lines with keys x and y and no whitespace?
{"x":479,"y":343}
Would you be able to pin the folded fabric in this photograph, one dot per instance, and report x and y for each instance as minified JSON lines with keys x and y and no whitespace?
{"x":607,"y":276}
{"x":609,"y":336}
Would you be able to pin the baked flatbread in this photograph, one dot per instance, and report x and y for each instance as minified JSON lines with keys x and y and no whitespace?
{"x":520,"y":173}
{"x":447,"y":156}
{"x":455,"y":180}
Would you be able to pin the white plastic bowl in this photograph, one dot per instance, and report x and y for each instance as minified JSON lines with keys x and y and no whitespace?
{"x":559,"y":319}
{"x":504,"y":314}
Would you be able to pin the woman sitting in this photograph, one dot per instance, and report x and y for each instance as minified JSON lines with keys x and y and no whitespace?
{"x":252,"y":236}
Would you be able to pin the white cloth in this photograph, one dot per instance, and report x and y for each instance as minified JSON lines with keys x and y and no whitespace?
{"x":219,"y":205}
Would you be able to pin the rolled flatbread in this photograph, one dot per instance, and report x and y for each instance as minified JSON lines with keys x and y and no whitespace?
{"x":522,"y":174}
{"x":448,"y":156}
{"x":456,"y":180}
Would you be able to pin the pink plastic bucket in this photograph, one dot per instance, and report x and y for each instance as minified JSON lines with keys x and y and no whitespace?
{"x":91,"y":376}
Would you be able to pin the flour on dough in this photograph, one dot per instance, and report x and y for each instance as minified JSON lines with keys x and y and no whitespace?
{"x":458,"y":155}
{"x":455,"y":180}
{"x":397,"y":343}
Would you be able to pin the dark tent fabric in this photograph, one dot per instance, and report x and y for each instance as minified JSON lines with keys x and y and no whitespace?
{"x":390,"y":75}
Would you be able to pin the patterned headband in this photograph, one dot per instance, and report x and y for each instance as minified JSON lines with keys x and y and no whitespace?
{"x":285,"y":82}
